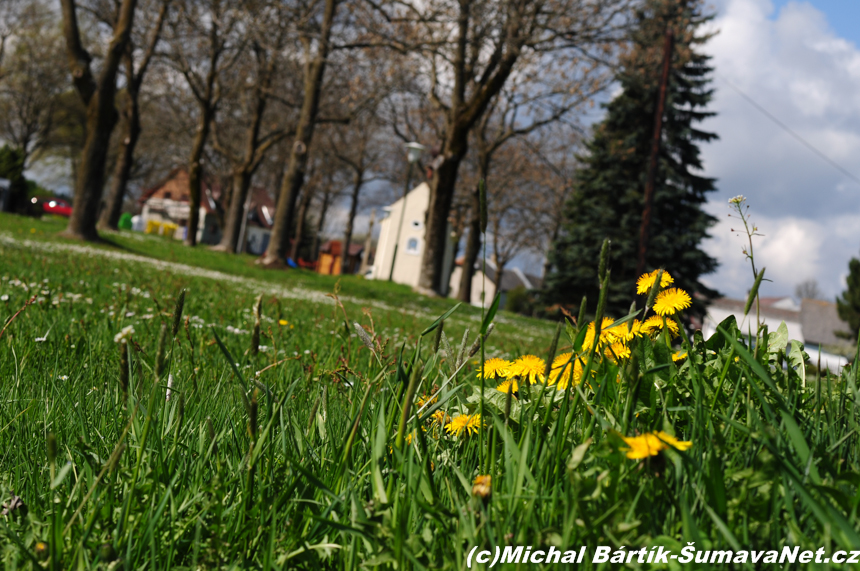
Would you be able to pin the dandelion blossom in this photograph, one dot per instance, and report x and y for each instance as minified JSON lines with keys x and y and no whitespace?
{"x":529,"y":367}
{"x":655,"y":323}
{"x":646,"y":281}
{"x":468,"y":423}
{"x":670,"y":301}
{"x":672,"y":441}
{"x":494,"y":368}
{"x":440,"y":417}
{"x":679,"y":356}
{"x":564,"y":371}
{"x":508,"y":386}
{"x":608,"y":333}
{"x":283,"y":322}
{"x":651,"y":444}
{"x":642,"y":446}
{"x":482,"y":486}
{"x":617,"y":351}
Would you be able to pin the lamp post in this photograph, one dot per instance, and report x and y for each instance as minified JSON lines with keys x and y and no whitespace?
{"x":413,"y":153}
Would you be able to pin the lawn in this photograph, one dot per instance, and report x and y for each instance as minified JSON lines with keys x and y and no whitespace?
{"x":138,"y":432}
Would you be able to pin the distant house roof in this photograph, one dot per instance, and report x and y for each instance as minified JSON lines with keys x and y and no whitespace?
{"x":175,"y":187}
{"x":820,"y":321}
{"x":335,"y":247}
{"x":736,"y":306}
{"x":511,"y":278}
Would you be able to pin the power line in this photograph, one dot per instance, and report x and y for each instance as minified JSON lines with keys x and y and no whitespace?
{"x":788,"y":130}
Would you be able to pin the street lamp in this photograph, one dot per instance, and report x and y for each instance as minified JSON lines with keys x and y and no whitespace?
{"x":413,"y":153}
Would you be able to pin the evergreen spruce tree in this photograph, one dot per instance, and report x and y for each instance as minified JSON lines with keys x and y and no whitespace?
{"x":848,"y":304}
{"x":609,"y":191}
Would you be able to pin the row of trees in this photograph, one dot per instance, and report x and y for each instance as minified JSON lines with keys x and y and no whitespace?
{"x":311,"y":94}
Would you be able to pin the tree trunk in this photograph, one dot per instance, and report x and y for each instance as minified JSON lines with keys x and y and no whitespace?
{"x":195,"y":173}
{"x":435,"y":237}
{"x":122,"y":170}
{"x":235,"y":212}
{"x":301,"y":220}
{"x":315,"y":249}
{"x":347,"y":234}
{"x":473,"y":250}
{"x":295,"y":175}
{"x":99,"y":97}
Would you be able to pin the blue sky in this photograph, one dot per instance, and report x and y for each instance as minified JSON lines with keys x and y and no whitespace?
{"x":843,"y":16}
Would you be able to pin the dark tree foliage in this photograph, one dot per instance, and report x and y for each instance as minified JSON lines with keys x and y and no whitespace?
{"x":12,"y":169}
{"x":608,"y":198}
{"x":848,"y":304}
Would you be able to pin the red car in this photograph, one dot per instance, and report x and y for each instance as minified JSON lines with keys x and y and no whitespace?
{"x":58,"y":206}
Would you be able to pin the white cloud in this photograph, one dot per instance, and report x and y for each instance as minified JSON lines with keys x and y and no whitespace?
{"x":792,"y":64}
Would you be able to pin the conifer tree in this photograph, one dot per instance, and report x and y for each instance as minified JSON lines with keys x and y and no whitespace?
{"x":609,"y":187}
{"x":848,"y":304}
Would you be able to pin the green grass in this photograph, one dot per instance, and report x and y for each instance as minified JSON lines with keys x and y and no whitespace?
{"x":305,"y":466}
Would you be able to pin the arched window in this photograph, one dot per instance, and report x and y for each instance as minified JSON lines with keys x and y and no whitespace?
{"x":412,"y":246}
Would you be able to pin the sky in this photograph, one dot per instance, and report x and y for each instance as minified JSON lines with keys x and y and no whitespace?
{"x":799,"y":61}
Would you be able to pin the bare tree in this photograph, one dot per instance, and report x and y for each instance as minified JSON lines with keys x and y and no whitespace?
{"x":808,"y":289}
{"x":266,"y":45}
{"x":205,"y":41}
{"x":469,"y":50}
{"x":98,"y":94}
{"x":316,"y":44}
{"x":131,"y":118}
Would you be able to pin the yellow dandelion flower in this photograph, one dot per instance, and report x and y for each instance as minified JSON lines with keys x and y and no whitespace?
{"x":646,"y":281}
{"x":440,"y":417}
{"x":494,"y":368}
{"x":617,"y":350}
{"x":679,"y":356}
{"x":424,"y":399}
{"x":509,"y":385}
{"x":627,"y":331}
{"x":468,"y":423}
{"x":642,"y":446}
{"x":670,"y":301}
{"x":529,"y":367}
{"x":482,"y":486}
{"x":283,"y":322}
{"x":564,"y":371}
{"x":672,"y":441}
{"x":608,"y":334}
{"x":655,"y":323}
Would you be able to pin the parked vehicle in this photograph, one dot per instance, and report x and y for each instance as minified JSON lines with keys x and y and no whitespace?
{"x":51,"y":205}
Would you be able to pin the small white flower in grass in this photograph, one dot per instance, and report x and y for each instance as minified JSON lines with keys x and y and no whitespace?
{"x":307,"y":352}
{"x":4,"y":297}
{"x":63,"y":377}
{"x":124,"y":335}
{"x":129,"y":314}
{"x":737,"y":199}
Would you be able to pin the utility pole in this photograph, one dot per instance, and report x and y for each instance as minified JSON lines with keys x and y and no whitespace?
{"x":668,"y":45}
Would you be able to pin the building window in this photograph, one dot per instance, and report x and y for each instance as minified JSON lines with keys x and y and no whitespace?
{"x":412,"y":246}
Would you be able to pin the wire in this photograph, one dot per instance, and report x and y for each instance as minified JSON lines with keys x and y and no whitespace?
{"x":788,"y":130}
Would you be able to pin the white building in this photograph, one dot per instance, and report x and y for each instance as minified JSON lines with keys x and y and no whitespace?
{"x":410,"y":247}
{"x":813,"y":322}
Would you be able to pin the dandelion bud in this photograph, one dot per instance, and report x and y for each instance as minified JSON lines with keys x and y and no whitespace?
{"x":52,"y":448}
{"x":159,"y":352}
{"x":42,"y":551}
{"x":654,"y":288}
{"x":580,"y":319}
{"x":753,"y":291}
{"x":604,"y":261}
{"x":177,"y":311}
{"x":438,"y":339}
